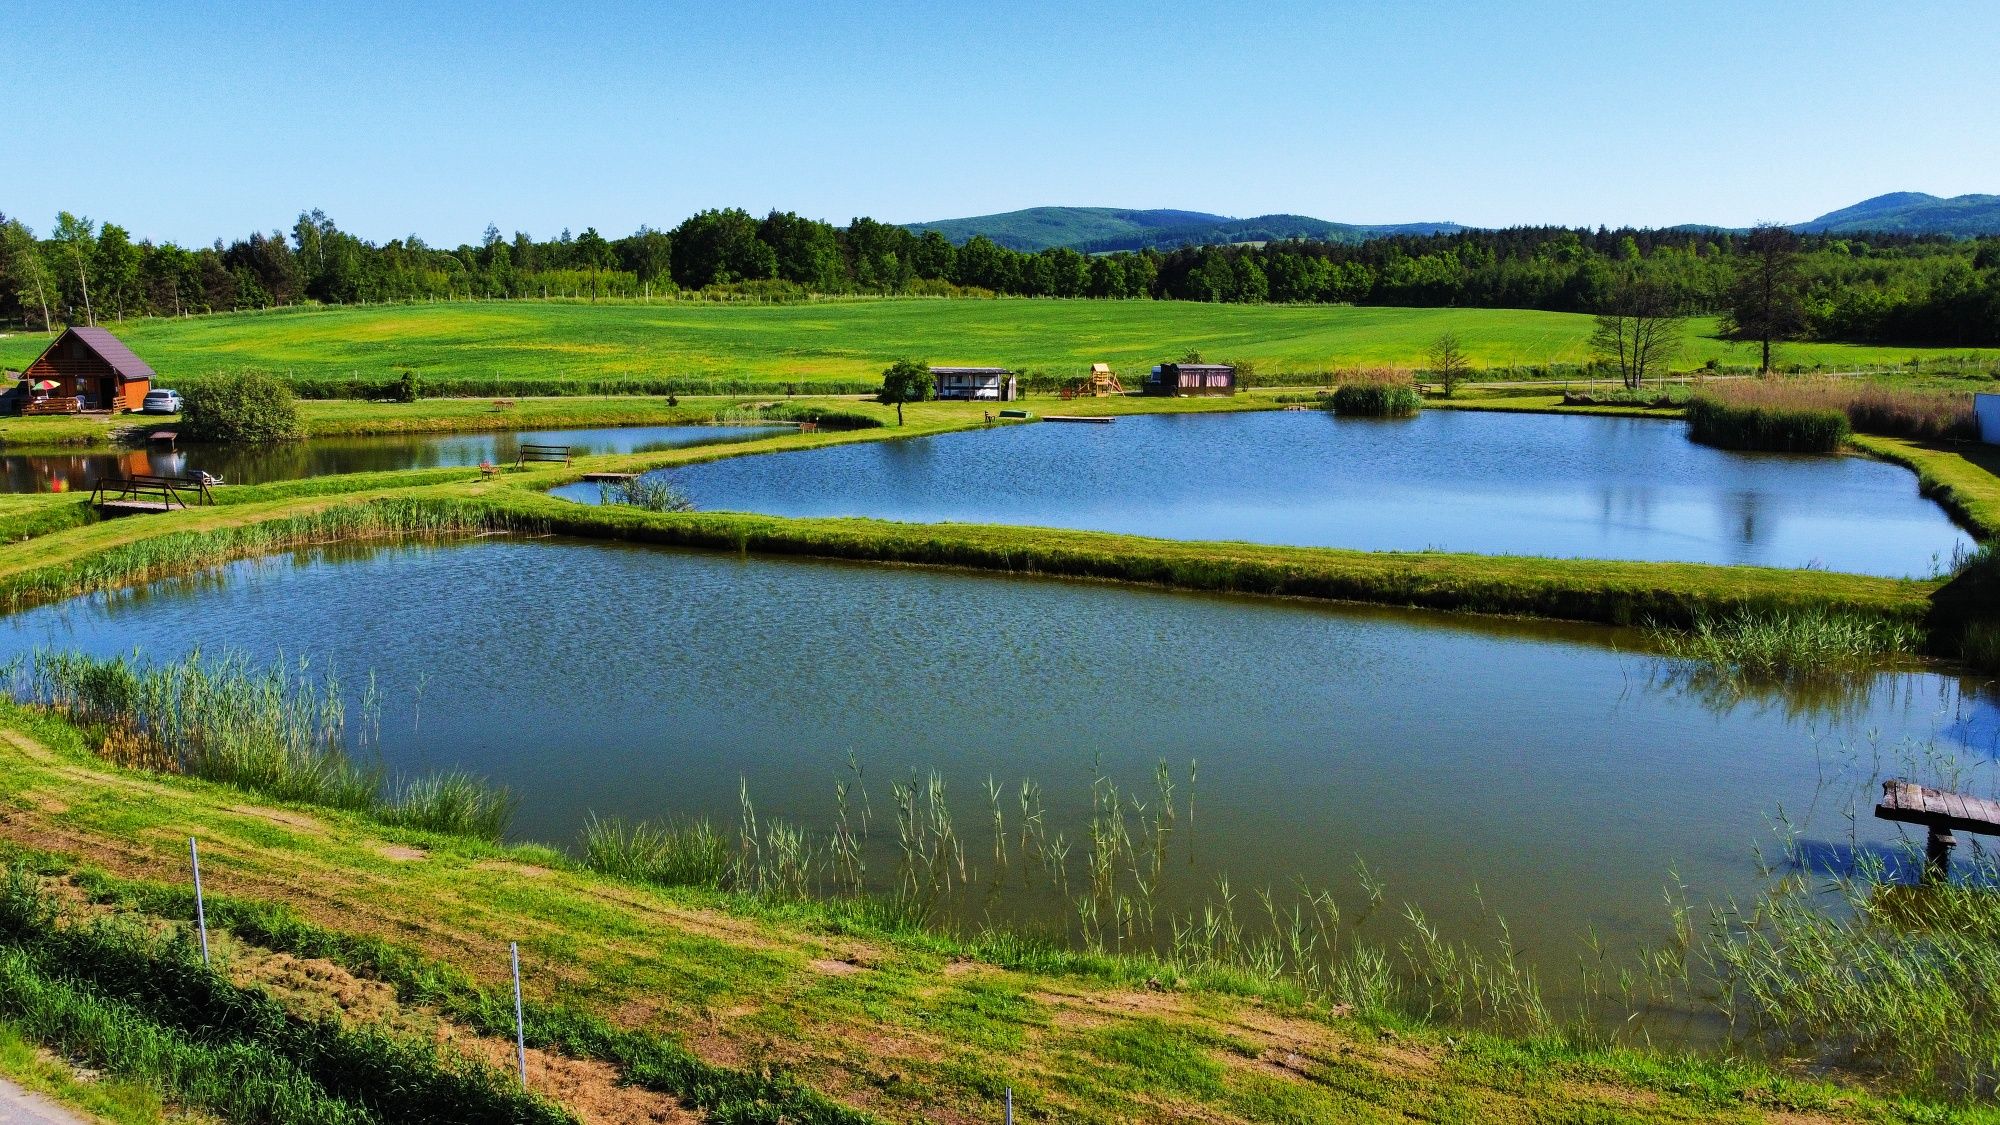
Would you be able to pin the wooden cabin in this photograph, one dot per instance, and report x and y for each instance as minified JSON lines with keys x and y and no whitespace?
{"x":1987,"y":407}
{"x":976,"y":384}
{"x":91,"y":370}
{"x":1171,"y":379}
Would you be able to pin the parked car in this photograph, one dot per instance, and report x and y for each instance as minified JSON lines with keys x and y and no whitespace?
{"x":162,"y":402}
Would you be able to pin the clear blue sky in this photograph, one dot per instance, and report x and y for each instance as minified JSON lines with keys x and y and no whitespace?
{"x":188,"y":122}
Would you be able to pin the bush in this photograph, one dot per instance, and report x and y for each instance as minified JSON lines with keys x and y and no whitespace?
{"x":1770,"y":428}
{"x":406,"y":389}
{"x":652,"y":494}
{"x":250,"y":408}
{"x":1379,"y":393}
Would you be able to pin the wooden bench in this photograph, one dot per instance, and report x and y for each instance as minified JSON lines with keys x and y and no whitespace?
{"x":137,"y":493}
{"x":1940,"y":811}
{"x":553,"y":454}
{"x":52,"y":406}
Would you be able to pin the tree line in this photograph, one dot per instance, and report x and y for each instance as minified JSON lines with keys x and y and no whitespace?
{"x":1888,"y":287}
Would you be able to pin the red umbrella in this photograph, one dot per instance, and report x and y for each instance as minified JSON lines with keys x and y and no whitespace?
{"x":47,"y":385}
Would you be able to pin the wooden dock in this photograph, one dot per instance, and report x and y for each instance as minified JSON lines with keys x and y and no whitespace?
{"x":1099,"y":420}
{"x":1941,"y":811}
{"x":607,"y":478}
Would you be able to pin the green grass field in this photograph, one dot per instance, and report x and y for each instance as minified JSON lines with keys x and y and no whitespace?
{"x":853,"y":340}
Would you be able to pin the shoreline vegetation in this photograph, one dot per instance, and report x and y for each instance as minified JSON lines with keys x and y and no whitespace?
{"x":1335,"y":1021}
{"x":1303,"y":981}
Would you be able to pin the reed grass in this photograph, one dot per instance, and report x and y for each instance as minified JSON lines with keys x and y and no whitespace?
{"x":650,"y":493}
{"x":1872,"y":975}
{"x":280,"y":730}
{"x":145,"y":1006}
{"x":690,"y":854}
{"x":1788,"y":646}
{"x":1376,"y":392}
{"x":1766,"y":427}
{"x":1785,"y":404}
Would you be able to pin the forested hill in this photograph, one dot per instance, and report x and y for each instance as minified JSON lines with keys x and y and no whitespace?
{"x":1913,"y":212}
{"x":1096,"y":230}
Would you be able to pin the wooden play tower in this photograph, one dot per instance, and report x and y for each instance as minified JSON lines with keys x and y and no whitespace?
{"x":1103,"y":381}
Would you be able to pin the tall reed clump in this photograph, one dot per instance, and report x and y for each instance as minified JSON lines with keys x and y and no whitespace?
{"x":1789,"y":645}
{"x":146,"y":1007}
{"x":1376,"y":392}
{"x":1784,"y":404}
{"x":693,"y":854}
{"x":650,"y":493}
{"x":1766,"y":426}
{"x":1899,"y":979}
{"x":279,"y":730}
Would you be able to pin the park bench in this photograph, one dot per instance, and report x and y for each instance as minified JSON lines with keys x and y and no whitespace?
{"x":1940,"y":811}
{"x":553,"y":454}
{"x":138,"y":493}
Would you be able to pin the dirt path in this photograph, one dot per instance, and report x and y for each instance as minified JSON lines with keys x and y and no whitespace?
{"x":19,"y":1107}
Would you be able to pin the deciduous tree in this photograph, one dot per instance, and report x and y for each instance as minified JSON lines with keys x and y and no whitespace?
{"x":907,"y":380}
{"x":1639,"y":332}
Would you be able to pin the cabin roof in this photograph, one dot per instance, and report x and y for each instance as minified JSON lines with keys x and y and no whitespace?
{"x":110,"y":349}
{"x":970,"y":371}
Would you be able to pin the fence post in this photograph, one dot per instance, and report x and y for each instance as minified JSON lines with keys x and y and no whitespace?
{"x":1010,"y":1105}
{"x":520,"y":1026}
{"x":200,"y":910}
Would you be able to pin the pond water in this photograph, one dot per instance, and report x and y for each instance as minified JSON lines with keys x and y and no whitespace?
{"x":78,"y":472}
{"x":1518,"y":484}
{"x":1567,"y":778}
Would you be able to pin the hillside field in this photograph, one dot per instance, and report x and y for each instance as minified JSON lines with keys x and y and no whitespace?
{"x":849,"y":341}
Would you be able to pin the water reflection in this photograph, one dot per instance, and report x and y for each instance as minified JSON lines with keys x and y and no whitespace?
{"x":79,"y":472}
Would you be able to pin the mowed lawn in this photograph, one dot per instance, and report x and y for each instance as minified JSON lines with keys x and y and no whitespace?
{"x":854,"y":340}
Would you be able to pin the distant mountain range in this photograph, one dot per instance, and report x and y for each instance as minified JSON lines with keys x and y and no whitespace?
{"x":1913,"y":212}
{"x":1100,"y":229}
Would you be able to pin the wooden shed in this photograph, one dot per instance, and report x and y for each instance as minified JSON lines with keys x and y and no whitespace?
{"x":91,"y":370}
{"x":1170,"y":379}
{"x":982,"y":384}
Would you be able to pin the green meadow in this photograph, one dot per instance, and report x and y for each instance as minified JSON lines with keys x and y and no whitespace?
{"x":830,"y":343}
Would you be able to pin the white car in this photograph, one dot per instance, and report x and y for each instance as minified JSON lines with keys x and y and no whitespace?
{"x":162,"y":402}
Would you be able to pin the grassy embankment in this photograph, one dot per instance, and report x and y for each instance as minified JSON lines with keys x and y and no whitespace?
{"x":745,"y":1007}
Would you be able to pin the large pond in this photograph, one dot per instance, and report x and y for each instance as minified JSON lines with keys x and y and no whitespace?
{"x":1566,"y":777}
{"x":1518,"y":484}
{"x":79,"y":472}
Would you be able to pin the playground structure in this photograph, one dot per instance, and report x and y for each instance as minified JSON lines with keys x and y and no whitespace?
{"x":1100,"y":382}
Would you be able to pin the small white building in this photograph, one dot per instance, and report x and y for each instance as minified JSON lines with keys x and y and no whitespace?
{"x":1988,"y":408}
{"x":988,"y":384}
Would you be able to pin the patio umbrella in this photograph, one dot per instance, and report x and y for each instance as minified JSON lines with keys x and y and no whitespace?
{"x":47,"y":385}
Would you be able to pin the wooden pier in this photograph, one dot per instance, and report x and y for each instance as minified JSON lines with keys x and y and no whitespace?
{"x":607,"y":478}
{"x":1100,"y":420}
{"x":1941,"y":811}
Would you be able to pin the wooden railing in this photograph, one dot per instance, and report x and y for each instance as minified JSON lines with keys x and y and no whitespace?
{"x":52,"y":406}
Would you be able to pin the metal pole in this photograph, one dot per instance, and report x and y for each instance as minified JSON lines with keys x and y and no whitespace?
{"x":520,"y":1026}
{"x":200,"y":910}
{"x":1010,"y":1105}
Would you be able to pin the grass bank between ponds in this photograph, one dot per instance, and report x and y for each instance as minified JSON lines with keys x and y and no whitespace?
{"x":1619,"y":593}
{"x":1963,"y":477}
{"x":749,"y":1009}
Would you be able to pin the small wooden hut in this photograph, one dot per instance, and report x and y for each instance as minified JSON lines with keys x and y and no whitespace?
{"x":1170,"y":379}
{"x":976,"y":384}
{"x":90,"y":369}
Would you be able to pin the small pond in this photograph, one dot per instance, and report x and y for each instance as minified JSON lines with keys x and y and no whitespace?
{"x":1490,"y":483}
{"x":78,"y":472}
{"x":1565,"y":775}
